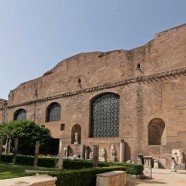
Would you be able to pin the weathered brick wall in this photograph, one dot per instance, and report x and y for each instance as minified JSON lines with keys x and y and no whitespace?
{"x":3,"y":104}
{"x":140,"y":100}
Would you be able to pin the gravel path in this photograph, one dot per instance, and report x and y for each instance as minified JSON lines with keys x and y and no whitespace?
{"x":161,"y":177}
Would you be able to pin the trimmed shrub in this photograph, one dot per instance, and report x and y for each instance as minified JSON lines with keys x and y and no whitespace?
{"x":71,"y":164}
{"x":47,"y":162}
{"x":77,"y":164}
{"x":130,"y":168}
{"x":6,"y":158}
{"x":25,"y":160}
{"x":81,"y":177}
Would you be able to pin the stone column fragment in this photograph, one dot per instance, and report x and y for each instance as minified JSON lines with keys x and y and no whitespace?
{"x":122,"y":151}
{"x":86,"y":153}
{"x":60,"y":153}
{"x":83,"y":151}
{"x":95,"y":155}
{"x":36,"y":153}
{"x":15,"y":150}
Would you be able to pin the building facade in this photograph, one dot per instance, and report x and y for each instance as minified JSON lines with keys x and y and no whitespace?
{"x":137,"y":95}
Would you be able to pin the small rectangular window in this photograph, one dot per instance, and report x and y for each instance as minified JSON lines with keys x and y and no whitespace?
{"x":62,"y":127}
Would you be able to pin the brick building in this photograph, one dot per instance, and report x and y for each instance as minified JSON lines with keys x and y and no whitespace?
{"x":137,"y":95}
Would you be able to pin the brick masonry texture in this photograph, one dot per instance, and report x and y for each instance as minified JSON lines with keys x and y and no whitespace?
{"x":156,"y":90}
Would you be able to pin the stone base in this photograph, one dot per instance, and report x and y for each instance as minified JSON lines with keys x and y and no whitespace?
{"x":181,"y":166}
{"x":114,"y":178}
{"x":38,"y":180}
{"x":156,"y":164}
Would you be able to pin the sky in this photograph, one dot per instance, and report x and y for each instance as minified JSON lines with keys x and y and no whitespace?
{"x":36,"y":34}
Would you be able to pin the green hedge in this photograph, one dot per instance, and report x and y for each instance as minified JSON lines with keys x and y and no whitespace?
{"x":47,"y":162}
{"x":71,"y":164}
{"x":25,"y":160}
{"x":6,"y":158}
{"x":29,"y":160}
{"x":81,"y":177}
{"x":77,"y":164}
{"x":130,"y":168}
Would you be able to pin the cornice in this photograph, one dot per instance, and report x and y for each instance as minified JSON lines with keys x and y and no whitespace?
{"x":132,"y":80}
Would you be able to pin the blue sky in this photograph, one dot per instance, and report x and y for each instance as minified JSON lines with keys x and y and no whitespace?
{"x":36,"y":34}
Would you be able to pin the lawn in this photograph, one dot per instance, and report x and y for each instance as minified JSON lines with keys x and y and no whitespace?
{"x":8,"y":170}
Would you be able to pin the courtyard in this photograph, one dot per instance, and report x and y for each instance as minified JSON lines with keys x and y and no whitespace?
{"x":160,"y":177}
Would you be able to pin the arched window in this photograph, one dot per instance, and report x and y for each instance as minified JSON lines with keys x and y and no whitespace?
{"x":76,"y":134}
{"x":155,"y":131}
{"x":105,"y":116}
{"x":53,"y":112}
{"x":20,"y":114}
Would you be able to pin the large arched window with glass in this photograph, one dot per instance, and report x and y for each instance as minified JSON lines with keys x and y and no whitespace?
{"x":20,"y":114}
{"x":105,"y":115}
{"x":156,"y":132}
{"x":53,"y":112}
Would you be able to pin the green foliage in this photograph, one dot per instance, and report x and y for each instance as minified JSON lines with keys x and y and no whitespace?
{"x":130,"y":168}
{"x":29,"y":160}
{"x":77,"y":164}
{"x":6,"y":158}
{"x":81,"y":177}
{"x":67,"y":164}
{"x":27,"y":132}
{"x":25,"y":160}
{"x":47,"y":162}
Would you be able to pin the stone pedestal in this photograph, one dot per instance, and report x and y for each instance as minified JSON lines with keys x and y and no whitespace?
{"x":181,"y":166}
{"x":114,"y":178}
{"x":38,"y":180}
{"x":148,"y":165}
{"x":156,"y":164}
{"x":140,"y":159}
{"x":60,"y":153}
{"x":122,"y":151}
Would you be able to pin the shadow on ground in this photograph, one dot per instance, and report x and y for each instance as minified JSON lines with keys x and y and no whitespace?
{"x":133,"y":182}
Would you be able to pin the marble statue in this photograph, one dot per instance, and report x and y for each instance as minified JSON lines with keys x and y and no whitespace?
{"x":181,"y":158}
{"x":91,"y":156}
{"x":65,"y":152}
{"x":175,"y":154}
{"x":102,"y":154}
{"x":113,"y":153}
{"x":76,"y":138}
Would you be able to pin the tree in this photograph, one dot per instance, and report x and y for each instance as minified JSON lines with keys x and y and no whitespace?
{"x":27,"y":132}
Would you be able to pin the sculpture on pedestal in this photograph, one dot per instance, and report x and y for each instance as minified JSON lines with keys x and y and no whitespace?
{"x":65,"y":151}
{"x":91,"y":156}
{"x":102,"y":154}
{"x":113,"y":153}
{"x":76,"y":138}
{"x":179,"y":158}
